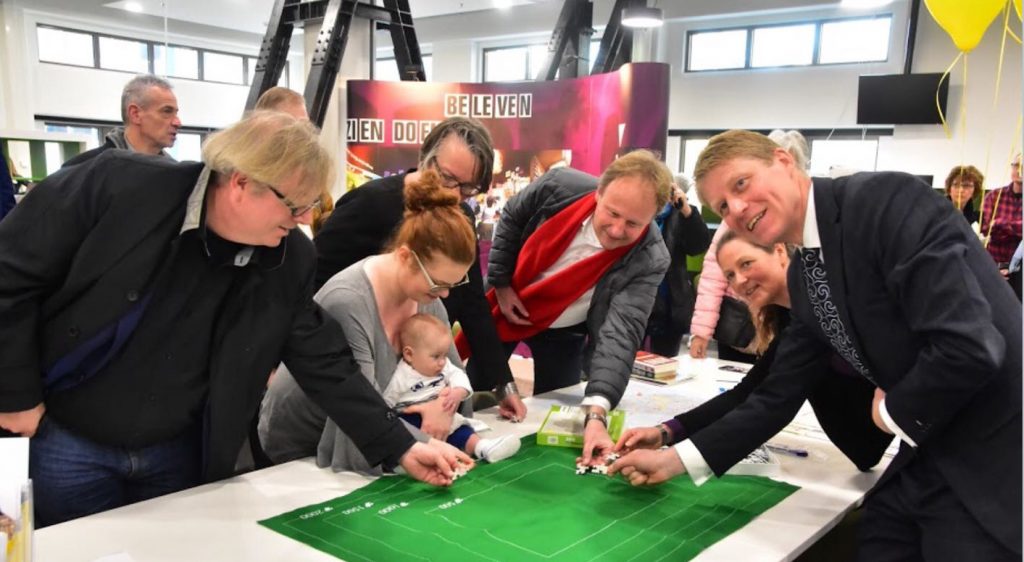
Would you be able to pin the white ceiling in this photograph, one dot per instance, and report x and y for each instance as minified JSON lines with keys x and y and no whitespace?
{"x":252,"y":15}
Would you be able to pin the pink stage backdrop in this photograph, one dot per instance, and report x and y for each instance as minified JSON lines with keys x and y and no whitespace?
{"x":584,"y":122}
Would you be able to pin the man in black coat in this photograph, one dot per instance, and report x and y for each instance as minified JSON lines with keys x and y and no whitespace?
{"x":365,"y":219}
{"x":892,"y":279}
{"x":685,"y":234}
{"x":142,"y":304}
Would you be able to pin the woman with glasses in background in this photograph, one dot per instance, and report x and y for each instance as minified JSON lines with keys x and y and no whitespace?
{"x":430,"y":254}
{"x":963,"y":189}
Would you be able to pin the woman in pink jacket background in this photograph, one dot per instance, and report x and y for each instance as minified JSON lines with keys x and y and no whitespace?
{"x":712,"y":286}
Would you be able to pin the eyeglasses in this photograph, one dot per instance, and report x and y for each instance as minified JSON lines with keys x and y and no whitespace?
{"x":437,"y":288}
{"x":296,"y":210}
{"x":448,"y":180}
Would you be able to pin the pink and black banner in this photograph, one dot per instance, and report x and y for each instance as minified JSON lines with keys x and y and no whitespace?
{"x":584,"y":122}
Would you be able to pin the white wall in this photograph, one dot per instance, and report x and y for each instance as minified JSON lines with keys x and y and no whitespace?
{"x":819,"y":98}
{"x":41,"y":88}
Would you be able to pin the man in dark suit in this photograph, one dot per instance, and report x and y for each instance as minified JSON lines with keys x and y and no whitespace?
{"x":895,"y":282}
{"x":144,"y":301}
{"x":459,"y":149}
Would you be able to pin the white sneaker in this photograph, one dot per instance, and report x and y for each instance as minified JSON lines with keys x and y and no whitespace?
{"x":497,"y":449}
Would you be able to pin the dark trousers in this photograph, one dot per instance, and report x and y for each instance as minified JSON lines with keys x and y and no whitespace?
{"x":916,"y":516}
{"x":73,"y":476}
{"x":557,"y":358}
{"x":457,"y":438}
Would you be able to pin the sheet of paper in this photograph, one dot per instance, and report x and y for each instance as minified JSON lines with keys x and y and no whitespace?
{"x":13,"y":473}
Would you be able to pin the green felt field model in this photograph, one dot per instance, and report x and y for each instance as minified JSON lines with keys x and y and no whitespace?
{"x":532,"y":506}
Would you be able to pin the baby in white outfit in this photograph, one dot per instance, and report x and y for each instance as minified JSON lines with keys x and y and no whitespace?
{"x":425,"y":373}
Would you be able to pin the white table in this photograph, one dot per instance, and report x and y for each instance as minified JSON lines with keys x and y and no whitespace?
{"x":217,"y":522}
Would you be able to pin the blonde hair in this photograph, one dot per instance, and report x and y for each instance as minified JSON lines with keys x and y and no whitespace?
{"x":416,"y":326}
{"x":644,"y":165}
{"x":729,"y":145}
{"x":277,"y":97}
{"x":269,"y":146}
{"x":434,"y":223}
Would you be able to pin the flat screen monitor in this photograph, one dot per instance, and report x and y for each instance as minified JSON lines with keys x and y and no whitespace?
{"x":900,"y":99}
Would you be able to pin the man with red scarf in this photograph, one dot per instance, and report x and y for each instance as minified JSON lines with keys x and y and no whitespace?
{"x":575,"y":268}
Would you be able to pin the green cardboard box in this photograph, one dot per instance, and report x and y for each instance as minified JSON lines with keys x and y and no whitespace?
{"x":563,"y":426}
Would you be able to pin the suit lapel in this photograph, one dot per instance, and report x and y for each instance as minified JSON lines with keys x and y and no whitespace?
{"x":829,"y":218}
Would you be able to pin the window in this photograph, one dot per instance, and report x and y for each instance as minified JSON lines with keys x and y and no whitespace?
{"x":387,"y":69}
{"x":789,"y":45}
{"x":93,"y":132}
{"x":830,"y":156}
{"x":187,"y":146}
{"x":220,"y":67}
{"x":524,"y":62}
{"x":66,"y":47}
{"x":691,"y":150}
{"x":124,"y":54}
{"x":178,"y":62}
{"x":94,"y":50}
{"x":717,"y":50}
{"x":506,"y":65}
{"x":862,"y":40}
{"x":855,"y":40}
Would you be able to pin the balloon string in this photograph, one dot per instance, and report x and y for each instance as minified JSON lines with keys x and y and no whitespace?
{"x":938,"y":106}
{"x":963,"y":113}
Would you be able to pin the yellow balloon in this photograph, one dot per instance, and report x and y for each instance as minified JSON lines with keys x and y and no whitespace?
{"x":1016,"y":4}
{"x":965,"y":20}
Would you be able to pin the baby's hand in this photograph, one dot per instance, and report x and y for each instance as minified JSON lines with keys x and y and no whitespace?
{"x":453,"y":398}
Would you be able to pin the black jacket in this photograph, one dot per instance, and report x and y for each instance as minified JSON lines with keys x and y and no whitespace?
{"x":684,"y":236}
{"x":76,"y":252}
{"x":841,"y":401}
{"x":935,"y":323}
{"x":364,"y":221}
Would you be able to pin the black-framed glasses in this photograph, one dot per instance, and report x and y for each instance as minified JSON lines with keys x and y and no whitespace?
{"x":296,"y":210}
{"x":436,"y":288}
{"x":448,"y":180}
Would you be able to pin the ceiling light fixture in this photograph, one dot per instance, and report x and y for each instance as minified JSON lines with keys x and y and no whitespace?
{"x":642,"y":17}
{"x":133,"y":7}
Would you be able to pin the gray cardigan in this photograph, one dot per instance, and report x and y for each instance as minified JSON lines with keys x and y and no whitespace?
{"x":291,"y":426}
{"x":622,"y":299}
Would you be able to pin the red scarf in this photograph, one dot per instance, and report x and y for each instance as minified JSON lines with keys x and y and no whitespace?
{"x":546,"y":299}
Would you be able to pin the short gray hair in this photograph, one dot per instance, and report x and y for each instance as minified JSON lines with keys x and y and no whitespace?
{"x":136,"y":89}
{"x":796,"y":144}
{"x":683,"y":181}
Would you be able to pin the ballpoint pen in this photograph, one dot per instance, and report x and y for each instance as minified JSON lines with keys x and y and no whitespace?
{"x":783,"y":449}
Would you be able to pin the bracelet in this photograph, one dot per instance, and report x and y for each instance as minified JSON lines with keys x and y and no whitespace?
{"x":595,"y":416}
{"x":505,"y":390}
{"x":665,"y":437}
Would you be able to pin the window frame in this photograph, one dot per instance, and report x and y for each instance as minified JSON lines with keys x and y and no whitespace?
{"x":816,"y":54}
{"x":595,"y":40}
{"x":151,"y":56}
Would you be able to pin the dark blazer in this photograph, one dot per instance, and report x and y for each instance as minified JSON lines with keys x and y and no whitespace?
{"x":841,"y":401}
{"x":79,"y":249}
{"x":364,"y":221}
{"x":933,"y":320}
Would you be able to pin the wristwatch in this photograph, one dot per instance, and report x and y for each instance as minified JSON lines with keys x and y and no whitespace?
{"x":595,"y":416}
{"x":505,"y":390}
{"x":665,"y":437}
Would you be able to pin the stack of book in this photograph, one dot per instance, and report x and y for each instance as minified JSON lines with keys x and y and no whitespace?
{"x":653,"y":367}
